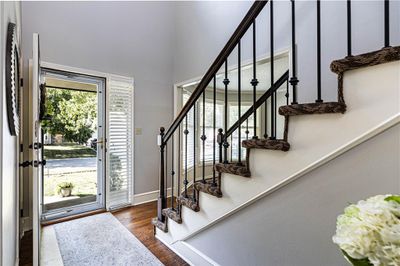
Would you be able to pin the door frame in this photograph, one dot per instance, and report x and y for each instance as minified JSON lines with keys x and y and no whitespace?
{"x":100,"y":74}
{"x":101,"y":172}
{"x":88,"y":72}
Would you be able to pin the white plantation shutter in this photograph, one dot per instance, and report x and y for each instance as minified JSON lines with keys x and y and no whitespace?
{"x":119,"y":142}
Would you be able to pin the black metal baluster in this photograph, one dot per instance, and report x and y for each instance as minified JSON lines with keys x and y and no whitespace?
{"x":254,"y":83}
{"x":387,"y":23}
{"x":172,"y":171}
{"x":203,"y":136}
{"x":214,"y":124}
{"x":166,"y":169}
{"x":319,"y":96}
{"x":220,"y":142}
{"x":247,"y":129}
{"x":273,"y":95}
{"x":287,"y":92}
{"x":226,"y":82}
{"x":266,"y":120}
{"x":348,"y":27}
{"x":194,"y":149}
{"x":186,"y":132}
{"x":161,"y":202}
{"x":239,"y":103}
{"x":179,"y":164}
{"x":231,"y":147}
{"x":293,"y":80}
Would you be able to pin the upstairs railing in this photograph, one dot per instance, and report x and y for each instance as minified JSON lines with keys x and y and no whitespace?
{"x":175,"y":141}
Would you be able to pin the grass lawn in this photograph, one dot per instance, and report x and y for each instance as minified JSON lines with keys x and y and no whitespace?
{"x":68,"y":150}
{"x":85,"y":183}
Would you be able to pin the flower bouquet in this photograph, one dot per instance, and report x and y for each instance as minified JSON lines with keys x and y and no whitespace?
{"x":368,"y":233}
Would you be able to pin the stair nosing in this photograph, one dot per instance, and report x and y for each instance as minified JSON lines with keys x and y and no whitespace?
{"x":312,"y":108}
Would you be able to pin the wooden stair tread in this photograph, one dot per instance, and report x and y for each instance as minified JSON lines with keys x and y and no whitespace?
{"x":312,"y":108}
{"x":385,"y":55}
{"x":189,"y":202}
{"x":160,"y":225}
{"x":172,"y":214}
{"x":233,"y":168}
{"x":208,"y":187}
{"x":268,"y":144}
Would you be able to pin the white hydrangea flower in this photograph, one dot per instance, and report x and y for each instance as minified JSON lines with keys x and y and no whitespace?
{"x":371,"y":229}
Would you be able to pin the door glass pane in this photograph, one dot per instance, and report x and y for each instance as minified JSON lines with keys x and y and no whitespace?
{"x":72,"y":144}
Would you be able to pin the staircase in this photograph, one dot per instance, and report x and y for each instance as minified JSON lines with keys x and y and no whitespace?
{"x":188,"y":182}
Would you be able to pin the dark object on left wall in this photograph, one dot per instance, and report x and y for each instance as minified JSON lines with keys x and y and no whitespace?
{"x":12,"y":65}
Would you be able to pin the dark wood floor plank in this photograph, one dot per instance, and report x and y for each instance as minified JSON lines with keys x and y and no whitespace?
{"x":137,"y":220}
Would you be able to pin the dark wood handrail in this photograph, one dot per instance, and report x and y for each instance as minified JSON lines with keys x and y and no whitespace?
{"x":244,"y":25}
{"x":259,"y":102}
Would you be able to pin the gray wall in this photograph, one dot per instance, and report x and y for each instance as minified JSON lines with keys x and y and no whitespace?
{"x":10,"y":12}
{"x":202,"y":29}
{"x":125,"y":38}
{"x":294,"y":225}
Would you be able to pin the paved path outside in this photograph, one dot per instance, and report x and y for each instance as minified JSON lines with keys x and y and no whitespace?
{"x":72,"y":162}
{"x":54,"y":166}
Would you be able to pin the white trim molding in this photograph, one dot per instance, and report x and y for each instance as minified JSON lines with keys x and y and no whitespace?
{"x":148,"y":197}
{"x":189,"y":254}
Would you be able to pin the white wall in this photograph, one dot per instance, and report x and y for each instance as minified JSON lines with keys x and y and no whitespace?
{"x":126,"y":38}
{"x":294,"y":225}
{"x":10,"y":12}
{"x":203,"y":28}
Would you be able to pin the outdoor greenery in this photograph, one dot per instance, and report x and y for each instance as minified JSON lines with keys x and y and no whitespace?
{"x":68,"y":150}
{"x":70,"y":113}
{"x":115,"y":173}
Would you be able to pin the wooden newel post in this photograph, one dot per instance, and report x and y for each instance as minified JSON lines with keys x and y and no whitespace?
{"x":162,"y":202}
{"x":220,"y":140}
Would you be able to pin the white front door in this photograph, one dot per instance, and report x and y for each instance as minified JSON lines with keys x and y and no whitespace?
{"x":36,"y":148}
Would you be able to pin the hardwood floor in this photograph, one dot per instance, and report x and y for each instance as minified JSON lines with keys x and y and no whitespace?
{"x":25,"y":251}
{"x":138,"y":220}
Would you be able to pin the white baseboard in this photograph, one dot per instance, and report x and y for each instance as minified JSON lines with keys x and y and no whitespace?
{"x":189,"y":254}
{"x":148,"y":196}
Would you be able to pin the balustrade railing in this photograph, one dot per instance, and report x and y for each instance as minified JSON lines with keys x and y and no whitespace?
{"x":261,"y":116}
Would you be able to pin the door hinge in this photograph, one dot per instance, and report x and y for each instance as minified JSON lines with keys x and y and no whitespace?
{"x":25,"y":164}
{"x":33,"y":163}
{"x":35,"y":146}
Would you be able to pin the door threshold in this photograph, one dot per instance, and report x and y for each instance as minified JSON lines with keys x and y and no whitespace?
{"x":72,"y":217}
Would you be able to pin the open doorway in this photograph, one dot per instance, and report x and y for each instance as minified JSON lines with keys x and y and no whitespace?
{"x":73,"y":143}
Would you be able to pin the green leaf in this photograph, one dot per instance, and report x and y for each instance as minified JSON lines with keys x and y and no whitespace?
{"x":395,"y":198}
{"x":357,"y":262}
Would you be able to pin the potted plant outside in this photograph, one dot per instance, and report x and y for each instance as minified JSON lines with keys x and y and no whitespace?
{"x":65,"y":189}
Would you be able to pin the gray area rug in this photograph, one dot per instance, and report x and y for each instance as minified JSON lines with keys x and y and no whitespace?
{"x":100,"y":240}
